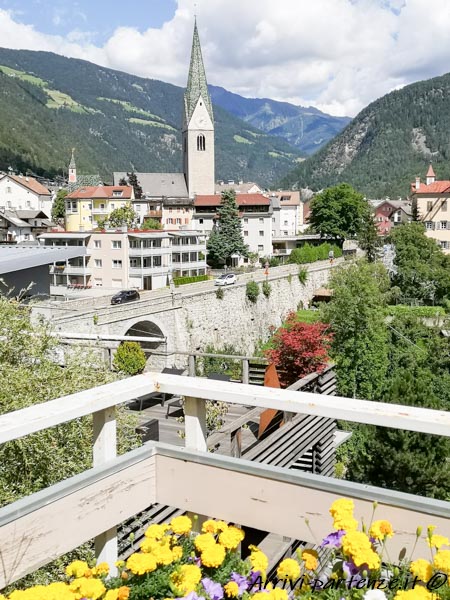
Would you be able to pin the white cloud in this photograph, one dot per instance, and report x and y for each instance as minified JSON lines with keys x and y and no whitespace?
{"x":338,"y":55}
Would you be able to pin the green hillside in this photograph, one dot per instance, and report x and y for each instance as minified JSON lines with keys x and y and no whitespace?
{"x":390,"y":142}
{"x":116,"y":122}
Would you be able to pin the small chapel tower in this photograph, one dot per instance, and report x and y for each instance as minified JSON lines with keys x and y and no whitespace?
{"x":72,"y":169}
{"x":198,"y":127}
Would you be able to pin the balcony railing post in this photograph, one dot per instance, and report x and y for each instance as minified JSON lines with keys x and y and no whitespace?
{"x":191,"y":365}
{"x":245,"y":370}
{"x":195,"y":423}
{"x":104,"y":450}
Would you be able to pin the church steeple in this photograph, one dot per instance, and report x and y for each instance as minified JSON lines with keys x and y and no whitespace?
{"x":198,"y":127}
{"x":72,"y":168}
{"x":197,"y":85}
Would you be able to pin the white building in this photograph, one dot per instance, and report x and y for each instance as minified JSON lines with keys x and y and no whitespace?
{"x":18,"y":192}
{"x":287,"y":218}
{"x":22,"y":226}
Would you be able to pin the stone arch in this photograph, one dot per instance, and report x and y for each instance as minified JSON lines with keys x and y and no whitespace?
{"x":147,"y":328}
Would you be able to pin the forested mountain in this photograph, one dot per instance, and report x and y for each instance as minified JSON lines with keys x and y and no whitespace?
{"x":308,"y":129}
{"x":116,"y":122}
{"x":390,"y":142}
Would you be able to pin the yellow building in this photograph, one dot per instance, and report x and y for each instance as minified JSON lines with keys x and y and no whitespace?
{"x":86,"y":206}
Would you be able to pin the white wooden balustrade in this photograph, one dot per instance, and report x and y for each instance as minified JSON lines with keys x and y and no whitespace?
{"x":45,"y":525}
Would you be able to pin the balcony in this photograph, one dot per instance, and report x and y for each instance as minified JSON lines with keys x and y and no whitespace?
{"x":100,"y":211}
{"x":70,"y":270}
{"x":149,"y":251}
{"x":49,"y":523}
{"x":153,"y":214}
{"x":140,"y":271}
{"x":183,"y":266}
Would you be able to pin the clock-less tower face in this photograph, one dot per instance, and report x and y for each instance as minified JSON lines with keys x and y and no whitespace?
{"x":200,"y":121}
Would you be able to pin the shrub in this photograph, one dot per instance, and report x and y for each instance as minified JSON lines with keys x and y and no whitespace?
{"x":302,"y":275}
{"x":129,"y":358}
{"x":426,"y":312}
{"x":252,"y":291}
{"x":307,"y":253}
{"x":266,"y":288}
{"x":220,"y":293}
{"x":193,"y":279}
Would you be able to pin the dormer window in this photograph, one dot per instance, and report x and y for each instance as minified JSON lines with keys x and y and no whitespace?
{"x":117,"y":193}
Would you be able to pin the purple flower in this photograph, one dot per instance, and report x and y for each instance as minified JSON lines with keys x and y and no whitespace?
{"x":213,"y":589}
{"x":352,"y":572}
{"x":334,"y":540}
{"x":240,"y":580}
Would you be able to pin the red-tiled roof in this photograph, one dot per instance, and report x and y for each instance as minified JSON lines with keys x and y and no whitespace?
{"x":438,"y":187}
{"x":102,"y":191}
{"x":430,"y":172}
{"x":30,"y":183}
{"x":241,"y":200}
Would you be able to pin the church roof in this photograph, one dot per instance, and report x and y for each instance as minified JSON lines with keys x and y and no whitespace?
{"x":241,"y":200}
{"x":72,"y":161}
{"x":196,"y":85}
{"x":159,"y":185}
{"x":430,"y":172}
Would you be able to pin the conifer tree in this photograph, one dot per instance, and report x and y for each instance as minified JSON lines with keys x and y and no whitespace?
{"x":133,"y":181}
{"x":226,"y":239}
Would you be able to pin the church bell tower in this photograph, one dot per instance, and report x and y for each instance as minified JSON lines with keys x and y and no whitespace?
{"x":198,"y":127}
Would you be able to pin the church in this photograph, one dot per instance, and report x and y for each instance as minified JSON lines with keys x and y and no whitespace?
{"x":169,"y":197}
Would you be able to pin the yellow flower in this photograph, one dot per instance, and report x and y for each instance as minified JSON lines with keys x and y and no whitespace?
{"x":381,"y":530}
{"x":260,"y":596}
{"x":342,"y":512}
{"x":177,"y":552}
{"x":181,"y":525}
{"x":231,"y":589}
{"x":88,"y":587}
{"x":140,"y":563}
{"x":101,"y":569}
{"x":150,"y":545}
{"x":231,"y":537}
{"x":209,"y":526}
{"x":357,"y":545}
{"x":186,"y":578}
{"x":164,"y":555}
{"x":309,"y":557}
{"x":213,"y":556}
{"x":437,"y":541}
{"x":422,"y":569}
{"x":221,"y":526}
{"x":77,"y":568}
{"x":121,"y":593}
{"x":278,"y":594}
{"x":203,"y":541}
{"x":288,"y":569}
{"x":345,"y":522}
{"x":258,"y":560}
{"x":418,"y":593}
{"x":156,"y":532}
{"x":441,"y":561}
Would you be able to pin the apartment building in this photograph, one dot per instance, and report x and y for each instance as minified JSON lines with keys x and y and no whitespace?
{"x":86,"y":206}
{"x":432,"y":199}
{"x":287,"y":218}
{"x":390,"y":213}
{"x":144,"y":260}
{"x":255,"y":212}
{"x":18,"y":192}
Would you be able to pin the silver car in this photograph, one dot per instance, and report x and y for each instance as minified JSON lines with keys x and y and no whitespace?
{"x":226,"y":279}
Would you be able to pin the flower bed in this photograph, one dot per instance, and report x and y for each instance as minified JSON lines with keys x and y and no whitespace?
{"x":174,"y":563}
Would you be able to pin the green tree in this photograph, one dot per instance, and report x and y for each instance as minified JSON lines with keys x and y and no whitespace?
{"x":360,"y":339}
{"x":422,"y":270}
{"x":368,"y":238}
{"x":226,"y":239}
{"x":124,"y":215}
{"x":133,"y":181}
{"x":151,"y":224}
{"x":129,"y":358}
{"x":59,"y":206}
{"x":339,"y":212}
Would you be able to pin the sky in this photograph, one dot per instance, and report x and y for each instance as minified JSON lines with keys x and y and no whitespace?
{"x":336,"y":55}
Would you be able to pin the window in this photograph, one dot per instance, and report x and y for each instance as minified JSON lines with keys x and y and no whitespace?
{"x":193,"y":256}
{"x":26,"y":237}
{"x":90,"y":206}
{"x":186,"y":221}
{"x":261,"y":234}
{"x":443,"y":225}
{"x":116,"y":264}
{"x":200,"y":221}
{"x":285,"y":223}
{"x":98,"y":282}
{"x":137,"y":207}
{"x":261,"y":220}
{"x":98,"y":263}
{"x":8,"y":190}
{"x":97,"y":244}
{"x":135,"y":263}
{"x":178,"y":221}
{"x":117,"y":193}
{"x":246,"y":220}
{"x":429,"y":225}
{"x":285,"y":198}
{"x":170,"y":210}
{"x":116,"y":244}
{"x":112,"y":205}
{"x":185,"y":257}
{"x":273,"y":219}
{"x":260,"y":248}
{"x":157,"y":261}
{"x":429,"y":205}
{"x":169,"y":221}
{"x":444,"y":206}
{"x":443,"y":245}
{"x":245,"y":233}
{"x":201,"y":143}
{"x":28,"y":203}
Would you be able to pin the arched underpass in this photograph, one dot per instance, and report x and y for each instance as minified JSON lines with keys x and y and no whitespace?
{"x":150,"y":330}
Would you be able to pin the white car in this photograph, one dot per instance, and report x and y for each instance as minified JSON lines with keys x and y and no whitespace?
{"x":226,"y":279}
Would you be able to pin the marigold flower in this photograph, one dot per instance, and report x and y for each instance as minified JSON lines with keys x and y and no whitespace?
{"x":203,"y":541}
{"x":231,"y":589}
{"x":343,"y":506}
{"x":309,"y":557}
{"x":288,"y":569}
{"x":258,"y":560}
{"x":231,"y":537}
{"x":357,"y":546}
{"x":77,"y":568}
{"x":210,"y":526}
{"x":437,"y":541}
{"x":422,"y":569}
{"x":88,"y":587}
{"x":278,"y":594}
{"x":101,"y":569}
{"x":155,"y":531}
{"x":140,"y":563}
{"x":186,"y":578}
{"x":441,"y":561}
{"x":381,"y":530}
{"x":122,"y":593}
{"x":213,"y":556}
{"x":181,"y":525}
{"x":418,"y":593}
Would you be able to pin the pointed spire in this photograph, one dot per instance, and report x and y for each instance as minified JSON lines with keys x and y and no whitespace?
{"x":196,"y":85}
{"x":72,"y":164}
{"x":430,"y":172}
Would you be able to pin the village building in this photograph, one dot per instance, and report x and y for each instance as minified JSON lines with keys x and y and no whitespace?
{"x":390,"y":213}
{"x":19,"y":192}
{"x":22,"y":226}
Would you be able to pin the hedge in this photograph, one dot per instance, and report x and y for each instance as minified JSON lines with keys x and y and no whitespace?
{"x":427,"y":312}
{"x":309,"y":253}
{"x":184,"y":280}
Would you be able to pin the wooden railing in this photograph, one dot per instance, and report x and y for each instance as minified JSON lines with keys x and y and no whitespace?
{"x":38,"y":528}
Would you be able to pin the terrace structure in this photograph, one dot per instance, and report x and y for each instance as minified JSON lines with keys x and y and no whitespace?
{"x":43,"y":526}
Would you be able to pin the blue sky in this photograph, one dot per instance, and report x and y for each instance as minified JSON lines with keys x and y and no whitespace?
{"x":336,"y":55}
{"x":98,"y":18}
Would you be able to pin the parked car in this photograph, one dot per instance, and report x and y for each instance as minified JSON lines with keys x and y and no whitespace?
{"x":226,"y":279}
{"x":125,"y":296}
